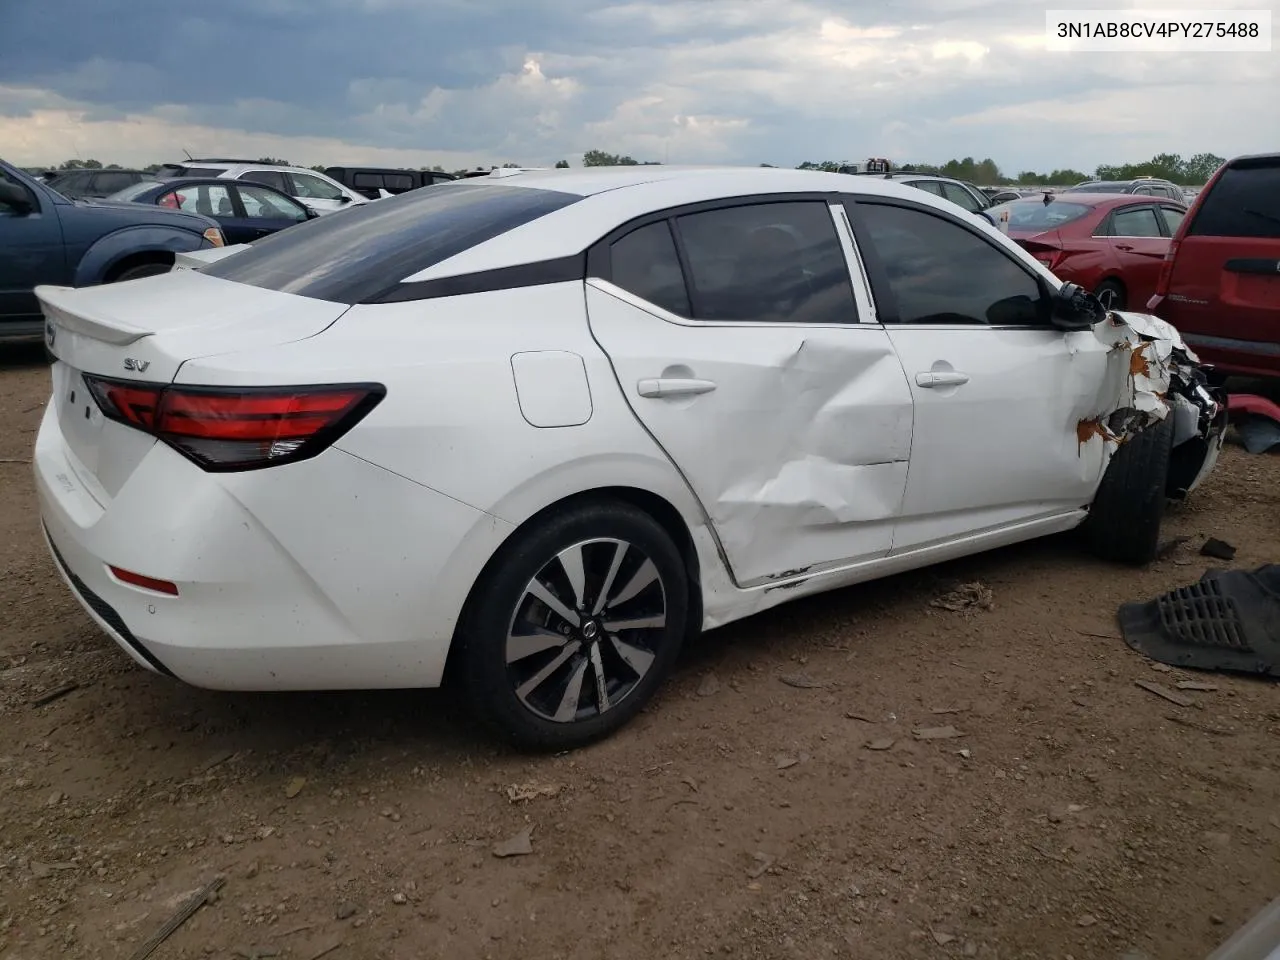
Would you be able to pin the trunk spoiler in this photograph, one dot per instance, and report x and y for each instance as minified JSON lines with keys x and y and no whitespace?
{"x":58,"y":305}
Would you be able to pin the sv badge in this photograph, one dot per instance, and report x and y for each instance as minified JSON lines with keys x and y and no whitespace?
{"x":139,"y":365}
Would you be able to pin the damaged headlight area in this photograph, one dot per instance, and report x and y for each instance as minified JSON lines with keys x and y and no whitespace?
{"x":1155,"y":375}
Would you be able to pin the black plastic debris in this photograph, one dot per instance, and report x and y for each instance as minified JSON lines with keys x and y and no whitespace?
{"x":1229,"y":620}
{"x":1218,"y":549}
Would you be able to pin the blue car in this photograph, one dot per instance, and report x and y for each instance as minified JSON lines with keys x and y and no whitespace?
{"x":243,"y":211}
{"x":46,"y":238}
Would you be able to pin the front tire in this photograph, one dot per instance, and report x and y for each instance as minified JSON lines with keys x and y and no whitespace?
{"x":574,"y":626}
{"x":142,"y":270}
{"x":1124,"y":521}
{"x":1112,"y":294}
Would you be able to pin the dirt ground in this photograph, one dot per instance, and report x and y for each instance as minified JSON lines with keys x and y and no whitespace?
{"x":1074,"y":815}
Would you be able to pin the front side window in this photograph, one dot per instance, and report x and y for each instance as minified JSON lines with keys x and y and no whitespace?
{"x":959,"y":195}
{"x":1173,"y":218}
{"x":941,"y":273}
{"x":767,"y":263}
{"x":313,"y":188}
{"x":262,"y":204}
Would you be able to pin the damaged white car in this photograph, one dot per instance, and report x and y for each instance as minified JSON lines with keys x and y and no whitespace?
{"x":543,"y":427}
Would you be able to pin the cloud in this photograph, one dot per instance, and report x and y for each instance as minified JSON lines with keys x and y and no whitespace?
{"x":421,"y":82}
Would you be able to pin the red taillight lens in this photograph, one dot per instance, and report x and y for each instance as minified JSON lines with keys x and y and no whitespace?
{"x":238,"y":429}
{"x":1166,"y":271}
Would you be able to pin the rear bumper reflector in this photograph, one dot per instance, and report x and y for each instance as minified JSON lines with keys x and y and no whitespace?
{"x":145,"y":582}
{"x":107,"y":612}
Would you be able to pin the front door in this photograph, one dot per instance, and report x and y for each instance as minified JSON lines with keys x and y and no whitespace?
{"x":1000,"y":395}
{"x":262,"y":212}
{"x":789,"y":418}
{"x":31,"y":253}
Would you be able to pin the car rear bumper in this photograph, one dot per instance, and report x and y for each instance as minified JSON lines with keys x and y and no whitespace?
{"x":327,"y":574}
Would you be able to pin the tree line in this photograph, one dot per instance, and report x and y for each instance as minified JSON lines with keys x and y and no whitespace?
{"x":1187,"y":171}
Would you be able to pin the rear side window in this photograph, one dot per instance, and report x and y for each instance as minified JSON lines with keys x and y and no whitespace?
{"x":365,"y":251}
{"x":767,"y":263}
{"x":645,"y":263}
{"x":1244,"y":202}
{"x":1135,"y":222}
{"x":270,"y":178}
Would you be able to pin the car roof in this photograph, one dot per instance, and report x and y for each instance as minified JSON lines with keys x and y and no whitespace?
{"x":1098,"y":199}
{"x":613,"y":196}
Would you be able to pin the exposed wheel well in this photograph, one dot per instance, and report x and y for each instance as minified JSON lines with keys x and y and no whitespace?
{"x":667,"y":516}
{"x":137,"y":260}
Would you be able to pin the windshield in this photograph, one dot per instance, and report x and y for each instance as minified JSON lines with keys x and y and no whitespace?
{"x":366,"y":250}
{"x":131,"y":191}
{"x":1036,"y":215}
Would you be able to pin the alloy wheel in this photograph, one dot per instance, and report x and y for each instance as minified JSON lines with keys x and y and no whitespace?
{"x":586,"y":630}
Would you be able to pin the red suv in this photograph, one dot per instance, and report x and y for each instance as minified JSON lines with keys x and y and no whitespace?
{"x":1220,"y":282}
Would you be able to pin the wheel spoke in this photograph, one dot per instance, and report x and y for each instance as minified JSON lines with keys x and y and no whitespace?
{"x":540,"y":677}
{"x":521,"y":645}
{"x":602,"y":686}
{"x":568,"y":708}
{"x":646,"y":575}
{"x":619,"y":552}
{"x":636,"y":623}
{"x":551,"y":600}
{"x":572,"y":564}
{"x":637,"y":659}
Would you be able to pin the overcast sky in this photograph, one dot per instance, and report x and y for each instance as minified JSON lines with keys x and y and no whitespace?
{"x":464,"y":82}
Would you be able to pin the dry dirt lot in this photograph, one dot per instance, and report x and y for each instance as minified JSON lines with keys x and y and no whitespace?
{"x":1074,"y":815}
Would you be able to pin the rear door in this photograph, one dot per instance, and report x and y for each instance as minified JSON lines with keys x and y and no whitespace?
{"x":1138,"y":241}
{"x":1224,"y":288}
{"x":748,"y":352}
{"x":317,"y":193}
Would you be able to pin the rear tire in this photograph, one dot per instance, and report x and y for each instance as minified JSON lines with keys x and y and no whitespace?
{"x":1112,"y":294}
{"x":535,"y":676}
{"x":142,"y":270}
{"x":1124,"y":521}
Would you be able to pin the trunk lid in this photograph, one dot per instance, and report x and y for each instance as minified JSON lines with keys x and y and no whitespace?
{"x":144,"y":330}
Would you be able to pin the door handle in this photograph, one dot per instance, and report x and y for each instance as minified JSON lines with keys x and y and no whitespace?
{"x":941,"y":378}
{"x":673,"y":387}
{"x":1124,"y":246}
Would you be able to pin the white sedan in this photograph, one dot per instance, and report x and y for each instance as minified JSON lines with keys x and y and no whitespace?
{"x":544,"y":426}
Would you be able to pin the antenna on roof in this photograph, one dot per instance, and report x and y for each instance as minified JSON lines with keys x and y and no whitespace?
{"x":188,"y":153}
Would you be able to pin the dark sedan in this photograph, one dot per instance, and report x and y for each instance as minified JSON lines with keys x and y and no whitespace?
{"x":244,"y":211}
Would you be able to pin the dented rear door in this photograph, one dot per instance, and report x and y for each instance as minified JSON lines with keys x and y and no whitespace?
{"x":788,"y":414}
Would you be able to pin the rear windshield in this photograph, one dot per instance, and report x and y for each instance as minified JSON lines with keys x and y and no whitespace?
{"x":360,"y":252}
{"x":133,"y":190}
{"x":1244,"y":202}
{"x":1100,"y":186}
{"x":1037,"y":215}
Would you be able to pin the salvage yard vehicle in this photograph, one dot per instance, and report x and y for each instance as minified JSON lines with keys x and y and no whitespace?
{"x":1112,"y":245}
{"x":47,"y":238}
{"x":543,"y":427}
{"x":243,"y":211}
{"x":1220,"y":281}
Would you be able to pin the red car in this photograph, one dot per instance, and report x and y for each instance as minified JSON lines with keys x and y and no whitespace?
{"x":1221,"y":282}
{"x":1112,"y":244}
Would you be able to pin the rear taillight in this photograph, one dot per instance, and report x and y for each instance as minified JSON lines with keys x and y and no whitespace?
{"x":244,"y":428}
{"x":1166,"y":271}
{"x":214,"y":236}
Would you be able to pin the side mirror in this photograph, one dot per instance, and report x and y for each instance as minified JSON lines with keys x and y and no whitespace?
{"x":1075,"y":308}
{"x":986,"y":216}
{"x":15,"y":197}
{"x":311,"y":214}
{"x":344,"y":199}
